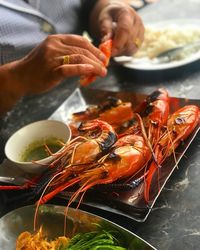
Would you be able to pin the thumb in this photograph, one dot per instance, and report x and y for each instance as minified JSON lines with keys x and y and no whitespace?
{"x":106,"y":27}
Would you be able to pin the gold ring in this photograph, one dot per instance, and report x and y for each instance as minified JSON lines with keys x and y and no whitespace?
{"x":137,"y":42}
{"x":66,"y":59}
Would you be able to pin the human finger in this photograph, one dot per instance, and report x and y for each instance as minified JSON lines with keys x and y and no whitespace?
{"x":106,"y":27}
{"x":122,"y":32}
{"x":135,"y":42}
{"x":75,"y":59}
{"x":72,"y":70}
{"x":71,"y":50}
{"x":55,"y":54}
{"x":82,"y":42}
{"x":138,"y":34}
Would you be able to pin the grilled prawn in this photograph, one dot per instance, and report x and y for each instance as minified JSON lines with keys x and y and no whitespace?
{"x":179,"y":126}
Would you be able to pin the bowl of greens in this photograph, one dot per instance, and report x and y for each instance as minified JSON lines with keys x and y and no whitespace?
{"x":61,"y":229}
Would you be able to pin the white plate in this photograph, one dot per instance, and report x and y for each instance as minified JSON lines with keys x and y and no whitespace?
{"x":147,"y":64}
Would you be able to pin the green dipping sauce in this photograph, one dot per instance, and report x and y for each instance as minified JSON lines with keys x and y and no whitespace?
{"x":37,"y":150}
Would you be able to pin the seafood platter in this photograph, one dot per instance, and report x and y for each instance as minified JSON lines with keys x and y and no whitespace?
{"x":123,"y":149}
{"x":134,"y":197}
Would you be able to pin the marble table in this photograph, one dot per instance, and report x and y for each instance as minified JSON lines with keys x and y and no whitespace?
{"x":174,"y":222}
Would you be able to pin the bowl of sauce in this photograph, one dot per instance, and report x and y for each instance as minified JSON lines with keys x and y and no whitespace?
{"x":33,"y":147}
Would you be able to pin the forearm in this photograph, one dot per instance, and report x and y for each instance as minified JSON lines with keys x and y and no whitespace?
{"x":11,"y":89}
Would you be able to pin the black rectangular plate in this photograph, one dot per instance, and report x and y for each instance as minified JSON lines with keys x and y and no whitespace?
{"x":128,"y":203}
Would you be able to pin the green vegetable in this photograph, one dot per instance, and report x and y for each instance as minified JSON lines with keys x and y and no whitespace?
{"x":108,"y":247}
{"x":96,"y":240}
{"x":82,"y":238}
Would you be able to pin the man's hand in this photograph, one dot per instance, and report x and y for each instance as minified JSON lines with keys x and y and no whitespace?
{"x":45,"y":66}
{"x":119,"y":21}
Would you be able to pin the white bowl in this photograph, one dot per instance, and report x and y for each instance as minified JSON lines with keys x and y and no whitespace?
{"x":35,"y":132}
